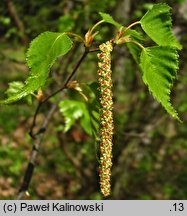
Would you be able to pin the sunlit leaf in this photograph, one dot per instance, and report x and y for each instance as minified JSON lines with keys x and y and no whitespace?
{"x":157,"y":24}
{"x":41,"y":55}
{"x":107,"y":18}
{"x":159,"y":66}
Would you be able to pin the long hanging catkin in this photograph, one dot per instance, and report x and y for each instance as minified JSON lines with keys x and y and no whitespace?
{"x":106,"y":116}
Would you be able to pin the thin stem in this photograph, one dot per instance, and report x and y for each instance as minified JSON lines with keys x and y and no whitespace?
{"x":34,"y":120}
{"x":32,"y":161}
{"x":94,"y":50}
{"x":57,"y":91}
{"x":131,"y":25}
{"x":75,"y":35}
{"x":135,"y":42}
{"x":69,"y":78}
{"x":95,"y":26}
{"x":39,"y":136}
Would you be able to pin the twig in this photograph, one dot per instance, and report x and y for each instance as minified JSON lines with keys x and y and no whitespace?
{"x":69,"y":78}
{"x":57,"y":91}
{"x":40,"y":134}
{"x":31,"y":165}
{"x":130,"y":26}
{"x":94,"y":50}
{"x":70,"y":59}
{"x":34,"y":120}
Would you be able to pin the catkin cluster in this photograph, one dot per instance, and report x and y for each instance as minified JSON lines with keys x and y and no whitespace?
{"x":106,"y":116}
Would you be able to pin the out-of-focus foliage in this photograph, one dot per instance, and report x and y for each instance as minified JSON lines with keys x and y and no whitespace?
{"x":14,"y":88}
{"x":66,"y":23}
{"x":150,"y":148}
{"x":86,"y":111}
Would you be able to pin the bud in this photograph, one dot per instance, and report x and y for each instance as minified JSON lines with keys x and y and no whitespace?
{"x":39,"y":95}
{"x":106,"y":116}
{"x":76,"y":86}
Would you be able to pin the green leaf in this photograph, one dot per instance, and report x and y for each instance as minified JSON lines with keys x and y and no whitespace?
{"x":72,"y":110}
{"x":134,"y":49}
{"x":91,"y":90}
{"x":157,"y":24}
{"x":87,"y":111}
{"x":133,"y":34}
{"x":14,"y":88}
{"x":107,"y":18}
{"x":41,"y":55}
{"x":159,"y":66}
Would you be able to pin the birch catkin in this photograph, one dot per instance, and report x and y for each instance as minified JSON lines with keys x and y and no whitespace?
{"x":106,"y":116}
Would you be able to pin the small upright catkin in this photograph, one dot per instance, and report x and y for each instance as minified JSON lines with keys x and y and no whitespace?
{"x":106,"y":116}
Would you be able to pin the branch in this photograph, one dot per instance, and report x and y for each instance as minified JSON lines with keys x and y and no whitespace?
{"x":70,"y":58}
{"x":40,"y":134}
{"x":69,"y":78}
{"x":57,"y":91}
{"x":31,"y":165}
{"x":34,"y":120}
{"x":94,"y":50}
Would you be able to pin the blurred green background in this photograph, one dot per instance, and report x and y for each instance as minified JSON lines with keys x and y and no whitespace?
{"x":150,"y":148}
